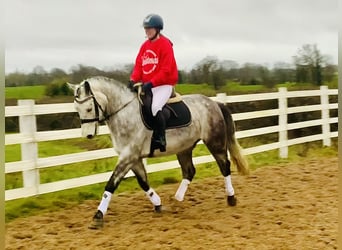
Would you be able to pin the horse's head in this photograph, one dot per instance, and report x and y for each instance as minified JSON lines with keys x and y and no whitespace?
{"x":90,"y":105}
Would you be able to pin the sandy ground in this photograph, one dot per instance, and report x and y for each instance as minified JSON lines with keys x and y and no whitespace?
{"x":289,"y":206}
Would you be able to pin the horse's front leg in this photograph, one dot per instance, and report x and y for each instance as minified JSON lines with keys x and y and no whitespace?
{"x":122,"y":168}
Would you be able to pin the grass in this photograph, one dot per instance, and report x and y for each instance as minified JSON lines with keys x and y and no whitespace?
{"x":229,"y":88}
{"x":235,"y":88}
{"x":204,"y":89}
{"x":61,"y":147}
{"x":25,"y":92}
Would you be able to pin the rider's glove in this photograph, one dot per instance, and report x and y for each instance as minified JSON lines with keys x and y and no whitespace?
{"x":130,"y":85}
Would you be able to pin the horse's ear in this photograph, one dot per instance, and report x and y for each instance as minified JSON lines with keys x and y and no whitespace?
{"x":87,"y":88}
{"x":71,"y":86}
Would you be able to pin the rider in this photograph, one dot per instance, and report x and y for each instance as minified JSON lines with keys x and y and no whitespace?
{"x":155,"y":66}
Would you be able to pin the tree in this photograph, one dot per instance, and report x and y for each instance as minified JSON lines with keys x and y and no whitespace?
{"x":206,"y":66}
{"x":329,"y":72}
{"x":15,"y":79}
{"x":309,"y":63}
{"x":181,"y":76}
{"x":217,"y":78}
{"x":57,"y":73}
{"x":39,"y":76}
{"x":283,"y":72}
{"x":82,"y":72}
{"x":248,"y":74}
{"x":230,"y":69}
{"x":208,"y":70}
{"x":58,"y":87}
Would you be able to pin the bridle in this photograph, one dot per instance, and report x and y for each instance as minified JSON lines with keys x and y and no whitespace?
{"x":98,"y":107}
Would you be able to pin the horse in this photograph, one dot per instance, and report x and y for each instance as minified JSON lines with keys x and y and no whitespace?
{"x":100,"y":99}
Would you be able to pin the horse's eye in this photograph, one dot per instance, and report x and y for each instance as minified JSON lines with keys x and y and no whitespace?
{"x":89,"y":109}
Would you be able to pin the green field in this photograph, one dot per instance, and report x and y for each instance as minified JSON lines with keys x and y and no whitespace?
{"x":25,"y":92}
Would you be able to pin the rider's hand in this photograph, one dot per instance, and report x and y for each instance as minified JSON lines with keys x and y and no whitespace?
{"x":147,"y":87}
{"x":130,"y":85}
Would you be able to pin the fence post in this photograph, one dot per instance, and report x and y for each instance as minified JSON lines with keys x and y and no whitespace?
{"x":325,"y":116}
{"x":221,"y":97}
{"x":282,"y":121}
{"x":29,"y":150}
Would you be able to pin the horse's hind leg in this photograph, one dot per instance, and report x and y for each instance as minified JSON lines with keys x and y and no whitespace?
{"x":220,"y":155}
{"x":140,"y":174}
{"x":188,"y":172}
{"x":228,"y":184}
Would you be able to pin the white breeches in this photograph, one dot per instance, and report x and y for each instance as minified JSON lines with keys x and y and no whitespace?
{"x":161,"y":95}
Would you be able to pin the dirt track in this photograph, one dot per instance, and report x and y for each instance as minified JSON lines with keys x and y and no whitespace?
{"x":290,"y":206}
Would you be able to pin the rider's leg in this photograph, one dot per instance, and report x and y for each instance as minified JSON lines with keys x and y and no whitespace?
{"x":160,"y":128}
{"x":161,"y":95}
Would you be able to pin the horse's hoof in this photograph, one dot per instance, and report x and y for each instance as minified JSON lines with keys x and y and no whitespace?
{"x":231,"y":200}
{"x":158,"y":209}
{"x":97,"y":222}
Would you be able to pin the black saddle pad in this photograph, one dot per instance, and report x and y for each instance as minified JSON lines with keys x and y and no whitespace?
{"x":178,"y":113}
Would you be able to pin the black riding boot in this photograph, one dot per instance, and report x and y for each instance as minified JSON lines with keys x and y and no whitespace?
{"x":159,"y":131}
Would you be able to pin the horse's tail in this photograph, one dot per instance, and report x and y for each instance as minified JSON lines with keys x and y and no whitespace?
{"x":233,"y":146}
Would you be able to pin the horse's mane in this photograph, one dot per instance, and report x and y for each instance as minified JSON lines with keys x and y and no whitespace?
{"x":100,"y":82}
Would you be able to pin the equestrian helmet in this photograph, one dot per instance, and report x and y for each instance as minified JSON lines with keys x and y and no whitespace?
{"x":153,"y":21}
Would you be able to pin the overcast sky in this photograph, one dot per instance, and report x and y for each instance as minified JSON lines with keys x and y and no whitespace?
{"x":108,"y":33}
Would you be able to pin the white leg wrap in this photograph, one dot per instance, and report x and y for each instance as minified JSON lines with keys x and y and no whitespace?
{"x":228,"y":185}
{"x":105,"y":202}
{"x":154,"y":197}
{"x":182,"y":189}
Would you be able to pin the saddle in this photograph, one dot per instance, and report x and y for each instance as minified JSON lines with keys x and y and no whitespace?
{"x":176,"y":112}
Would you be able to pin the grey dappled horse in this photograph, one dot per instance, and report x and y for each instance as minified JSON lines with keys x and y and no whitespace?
{"x":102,"y":99}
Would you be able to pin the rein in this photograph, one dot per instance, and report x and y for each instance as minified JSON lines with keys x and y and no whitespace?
{"x":97,"y":107}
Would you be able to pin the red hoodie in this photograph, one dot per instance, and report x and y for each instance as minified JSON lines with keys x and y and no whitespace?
{"x":156,"y":63}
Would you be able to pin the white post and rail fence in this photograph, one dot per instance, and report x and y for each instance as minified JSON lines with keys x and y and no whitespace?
{"x":28,"y":137}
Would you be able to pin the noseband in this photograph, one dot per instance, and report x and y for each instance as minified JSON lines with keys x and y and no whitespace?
{"x":97,"y":108}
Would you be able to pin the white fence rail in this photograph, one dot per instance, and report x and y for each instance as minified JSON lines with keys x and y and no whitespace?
{"x":29,"y":137}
